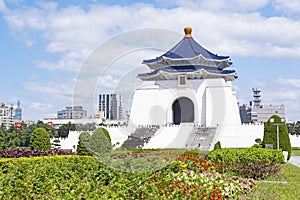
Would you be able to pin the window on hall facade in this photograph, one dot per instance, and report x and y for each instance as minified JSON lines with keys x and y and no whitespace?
{"x":182,"y":80}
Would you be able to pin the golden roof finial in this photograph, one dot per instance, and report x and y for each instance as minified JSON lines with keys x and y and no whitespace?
{"x":188,"y":32}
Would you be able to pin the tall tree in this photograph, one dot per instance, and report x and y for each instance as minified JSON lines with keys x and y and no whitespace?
{"x":64,"y":130}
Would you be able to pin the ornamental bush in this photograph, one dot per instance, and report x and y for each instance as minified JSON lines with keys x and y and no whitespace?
{"x":270,"y":135}
{"x":100,"y":141}
{"x":217,"y":145}
{"x":83,"y":143}
{"x":257,"y":163}
{"x":40,"y":140}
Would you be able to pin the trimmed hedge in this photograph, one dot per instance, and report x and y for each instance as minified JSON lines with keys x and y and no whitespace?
{"x":270,"y":135}
{"x":55,"y":177}
{"x":257,"y":163}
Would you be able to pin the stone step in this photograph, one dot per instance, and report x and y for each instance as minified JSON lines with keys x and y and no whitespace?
{"x":139,"y":137}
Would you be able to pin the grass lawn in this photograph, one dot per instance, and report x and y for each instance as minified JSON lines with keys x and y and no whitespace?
{"x":277,"y":190}
{"x":296,"y":152}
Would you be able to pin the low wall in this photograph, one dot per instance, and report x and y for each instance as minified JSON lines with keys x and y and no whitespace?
{"x":295,"y":141}
{"x":240,"y":136}
{"x":70,"y":141}
{"x":176,"y":135}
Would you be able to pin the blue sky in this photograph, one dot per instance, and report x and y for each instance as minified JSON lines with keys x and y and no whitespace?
{"x":44,"y":44}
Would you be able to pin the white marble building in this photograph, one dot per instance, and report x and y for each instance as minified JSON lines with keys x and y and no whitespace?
{"x":190,"y":85}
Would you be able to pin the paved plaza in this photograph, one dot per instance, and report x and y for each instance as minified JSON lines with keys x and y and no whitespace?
{"x":295,"y":160}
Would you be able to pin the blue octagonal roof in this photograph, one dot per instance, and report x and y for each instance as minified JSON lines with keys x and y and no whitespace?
{"x":187,"y":48}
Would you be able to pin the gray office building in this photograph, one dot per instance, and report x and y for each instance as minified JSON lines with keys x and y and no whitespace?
{"x":75,"y":112}
{"x":111,"y":106}
{"x":257,"y":112}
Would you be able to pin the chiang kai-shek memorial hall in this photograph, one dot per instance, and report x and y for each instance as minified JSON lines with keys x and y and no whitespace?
{"x":187,"y":101}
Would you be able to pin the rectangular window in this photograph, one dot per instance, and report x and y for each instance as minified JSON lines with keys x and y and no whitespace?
{"x":182,"y":79}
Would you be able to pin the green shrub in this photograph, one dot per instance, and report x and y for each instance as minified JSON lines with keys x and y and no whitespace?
{"x":270,"y":135}
{"x":83,"y":143}
{"x":100,"y":142}
{"x":121,"y":149}
{"x":105,"y":132}
{"x":217,"y":145}
{"x":40,"y":140}
{"x":255,"y":163}
{"x":192,"y":151}
{"x":54,"y":177}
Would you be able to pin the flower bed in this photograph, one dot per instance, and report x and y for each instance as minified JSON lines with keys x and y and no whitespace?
{"x":192,"y":176}
{"x":189,"y":176}
{"x":16,"y":153}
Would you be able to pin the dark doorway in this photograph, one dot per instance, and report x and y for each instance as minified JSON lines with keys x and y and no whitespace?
{"x":183,"y":110}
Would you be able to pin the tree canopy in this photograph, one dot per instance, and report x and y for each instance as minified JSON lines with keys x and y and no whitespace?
{"x":40,"y":139}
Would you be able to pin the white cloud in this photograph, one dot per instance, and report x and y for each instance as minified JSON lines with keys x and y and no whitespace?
{"x":47,"y":5}
{"x":234,"y":5}
{"x":75,"y":30}
{"x":279,"y":91}
{"x":290,"y":83}
{"x":37,"y":110}
{"x":71,"y":61}
{"x":289,"y":7}
{"x":3,"y":7}
{"x":60,"y":89}
{"x":223,"y":5}
{"x":56,"y":47}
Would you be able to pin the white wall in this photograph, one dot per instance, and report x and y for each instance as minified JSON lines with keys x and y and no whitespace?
{"x":117,"y":134}
{"x":72,"y":139}
{"x":295,"y":141}
{"x":153,"y":105}
{"x":240,"y":136}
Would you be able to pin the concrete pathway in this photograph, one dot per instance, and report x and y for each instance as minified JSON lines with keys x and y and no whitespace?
{"x":295,"y":160}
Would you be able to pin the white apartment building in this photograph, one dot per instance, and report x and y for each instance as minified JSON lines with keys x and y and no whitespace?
{"x":7,"y":115}
{"x":111,"y":106}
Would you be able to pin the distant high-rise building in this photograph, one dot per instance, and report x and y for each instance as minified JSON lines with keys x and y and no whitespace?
{"x":19,"y":111}
{"x":111,"y":106}
{"x":258,"y":112}
{"x":75,"y":112}
{"x":7,"y":115}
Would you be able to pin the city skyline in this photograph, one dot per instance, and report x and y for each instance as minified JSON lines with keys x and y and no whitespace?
{"x":45,"y":43}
